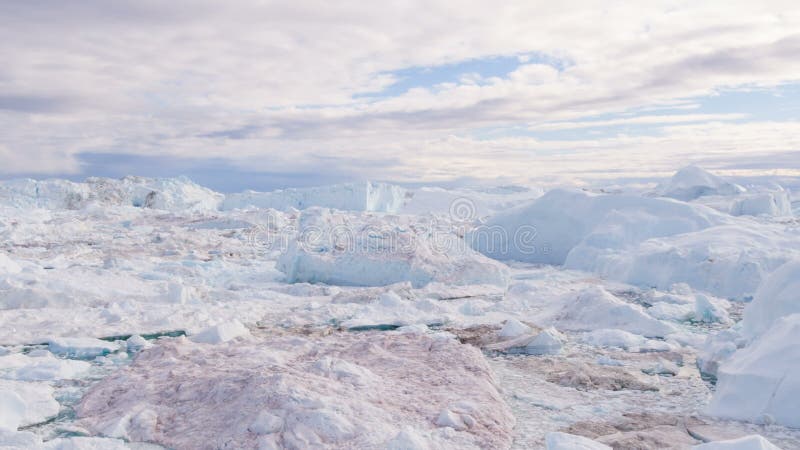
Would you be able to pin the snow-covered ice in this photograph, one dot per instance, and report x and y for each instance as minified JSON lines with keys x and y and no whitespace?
{"x":692,"y":182}
{"x":342,"y":390}
{"x":751,"y":442}
{"x":759,"y":382}
{"x":367,"y":315}
{"x":368,"y":250}
{"x":367,"y":196}
{"x":564,"y":441}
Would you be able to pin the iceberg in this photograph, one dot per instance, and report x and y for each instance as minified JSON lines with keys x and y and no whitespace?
{"x":369,"y":250}
{"x":171,"y":194}
{"x":692,"y":182}
{"x":759,"y":382}
{"x":367,"y":196}
{"x":594,"y":308}
{"x":549,"y":228}
{"x":777,"y":297}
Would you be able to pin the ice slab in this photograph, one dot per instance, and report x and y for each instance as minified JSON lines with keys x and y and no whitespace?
{"x":40,"y":365}
{"x":758,"y":382}
{"x":752,"y":442}
{"x":367,"y":196}
{"x":81,"y":347}
{"x":563,"y":441}
{"x":355,"y":390}
{"x":547,"y":229}
{"x":371,"y":250}
{"x":25,"y":403}
{"x":777,"y":297}
{"x":595,"y":308}
{"x":692,"y":182}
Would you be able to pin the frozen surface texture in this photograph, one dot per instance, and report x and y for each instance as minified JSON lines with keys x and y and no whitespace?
{"x":643,"y":241}
{"x":166,"y":193}
{"x":692,"y":182}
{"x":778,"y":296}
{"x":564,"y":441}
{"x":760,"y":382}
{"x":595,"y":308}
{"x":752,"y":442}
{"x":547,"y":229}
{"x":258,"y":320}
{"x":367,"y":196}
{"x":344,"y":390}
{"x":371,"y":250}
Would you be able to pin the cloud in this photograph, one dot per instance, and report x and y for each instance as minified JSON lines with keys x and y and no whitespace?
{"x":284,"y":87}
{"x":640,"y":120}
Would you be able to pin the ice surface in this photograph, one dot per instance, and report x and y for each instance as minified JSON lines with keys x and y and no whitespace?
{"x":752,"y":442}
{"x":692,"y":182}
{"x":221,"y":333}
{"x":40,"y":365}
{"x":81,"y":347}
{"x":367,"y":196}
{"x":547,"y":229}
{"x":729,"y":261}
{"x":347,"y":390}
{"x":563,"y":441}
{"x":23,"y":404}
{"x":595,"y":308}
{"x":777,"y":203}
{"x":777,"y":297}
{"x":759,"y":381}
{"x":7,"y":265}
{"x":370,"y":250}
{"x":643,"y":241}
{"x":467,"y":204}
{"x":643,"y":288}
{"x":85,"y":443}
{"x":166,"y":193}
{"x":19,"y":440}
{"x":513,"y":328}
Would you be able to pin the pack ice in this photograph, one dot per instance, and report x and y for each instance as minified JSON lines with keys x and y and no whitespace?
{"x":156,"y":313}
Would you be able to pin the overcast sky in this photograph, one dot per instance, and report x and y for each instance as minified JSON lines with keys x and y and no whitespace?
{"x":268,"y":94}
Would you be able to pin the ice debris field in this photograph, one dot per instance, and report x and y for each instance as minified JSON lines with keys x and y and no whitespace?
{"x":155,"y":313}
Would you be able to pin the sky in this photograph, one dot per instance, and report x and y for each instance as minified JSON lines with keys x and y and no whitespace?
{"x":261,"y":94}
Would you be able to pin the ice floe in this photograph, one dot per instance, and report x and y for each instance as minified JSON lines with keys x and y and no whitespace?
{"x":368,"y":250}
{"x":348,"y":390}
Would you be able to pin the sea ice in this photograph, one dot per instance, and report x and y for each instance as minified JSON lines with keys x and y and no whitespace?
{"x":595,"y":308}
{"x":369,"y":250}
{"x":85,"y":443}
{"x":759,"y":381}
{"x":354,"y":390}
{"x":81,"y":347}
{"x":752,"y":442}
{"x":692,"y":182}
{"x":547,"y":229}
{"x":8,"y":266}
{"x":367,"y":196}
{"x":546,"y":342}
{"x":778,"y":296}
{"x":776,"y":203}
{"x":25,"y":403}
{"x":40,"y":365}
{"x":562,"y":441}
{"x":221,"y":333}
{"x":513,"y":328}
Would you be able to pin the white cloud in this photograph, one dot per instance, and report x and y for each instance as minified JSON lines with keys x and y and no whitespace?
{"x":276,"y":84}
